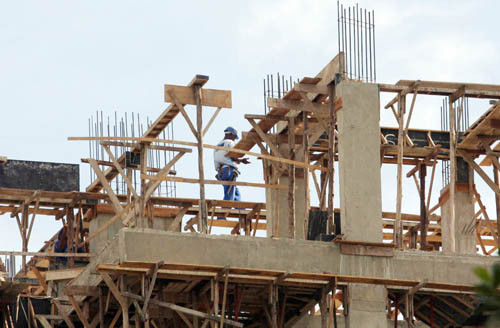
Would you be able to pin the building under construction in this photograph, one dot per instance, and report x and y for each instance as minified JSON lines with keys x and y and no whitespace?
{"x":132,"y":254}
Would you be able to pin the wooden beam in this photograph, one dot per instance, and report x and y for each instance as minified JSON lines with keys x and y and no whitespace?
{"x":79,"y":312}
{"x":212,"y":119}
{"x":115,"y":202}
{"x":291,"y":179}
{"x":48,"y":254}
{"x":233,"y":150}
{"x":311,"y":88}
{"x":398,"y":228}
{"x":201,"y":173}
{"x":78,"y":290}
{"x":480,"y":171}
{"x":185,"y":310}
{"x":265,"y":138}
{"x":417,"y":287}
{"x":181,"y":108}
{"x":114,"y":289}
{"x":134,"y":145}
{"x":178,"y":219}
{"x":301,"y":106}
{"x":120,"y":170}
{"x":152,"y":185}
{"x":453,"y":174}
{"x":209,"y":97}
{"x":216,"y":182}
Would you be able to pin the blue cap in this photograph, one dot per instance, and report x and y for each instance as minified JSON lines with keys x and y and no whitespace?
{"x":231,"y":130}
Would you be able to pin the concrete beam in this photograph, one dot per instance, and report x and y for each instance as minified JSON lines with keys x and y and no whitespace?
{"x":294,"y":255}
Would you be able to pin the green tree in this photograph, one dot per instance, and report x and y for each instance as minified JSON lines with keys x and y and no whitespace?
{"x":489,"y":294}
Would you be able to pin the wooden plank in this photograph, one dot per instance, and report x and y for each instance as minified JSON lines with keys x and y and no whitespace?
{"x":209,"y":97}
{"x":79,"y":312}
{"x":178,"y":219}
{"x":229,"y":150}
{"x":114,"y":289}
{"x":185,"y":310}
{"x":64,"y":274}
{"x":440,"y":90}
{"x":291,"y":180}
{"x":45,"y":323}
{"x":215,"y":182}
{"x":212,"y":119}
{"x":43,"y":254}
{"x":302,"y":106}
{"x":121,"y":171}
{"x":105,"y":184}
{"x":311,"y":88}
{"x":41,"y":279}
{"x":197,"y":91}
{"x":398,"y":229}
{"x":480,"y":171}
{"x":133,"y":145}
{"x":78,"y":290}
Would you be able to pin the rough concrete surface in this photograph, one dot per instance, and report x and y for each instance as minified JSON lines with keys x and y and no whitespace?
{"x":294,"y":255}
{"x":359,"y":161}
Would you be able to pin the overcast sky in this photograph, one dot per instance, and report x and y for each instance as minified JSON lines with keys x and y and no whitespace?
{"x":60,"y":61}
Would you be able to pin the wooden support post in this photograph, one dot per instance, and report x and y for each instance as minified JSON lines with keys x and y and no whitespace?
{"x":70,"y":219}
{"x":398,"y":227}
{"x":101,"y":309}
{"x":453,"y":174}
{"x":142,"y":199}
{"x":216,"y":296}
{"x":125,"y":304}
{"x":24,"y":218}
{"x":224,"y":299}
{"x":79,"y":312}
{"x":199,"y":127}
{"x":423,"y":209}
{"x":323,"y":308}
{"x":291,"y":179}
{"x":273,"y":290}
{"x":331,"y":157}
{"x":305,"y":146}
{"x":497,"y":202}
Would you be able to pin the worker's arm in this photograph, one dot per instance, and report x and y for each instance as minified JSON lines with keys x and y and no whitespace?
{"x":243,"y":160}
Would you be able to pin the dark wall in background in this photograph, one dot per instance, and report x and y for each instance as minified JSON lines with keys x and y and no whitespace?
{"x":40,"y":176}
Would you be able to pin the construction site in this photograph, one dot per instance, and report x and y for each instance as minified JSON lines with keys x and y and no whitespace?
{"x":131,"y":253}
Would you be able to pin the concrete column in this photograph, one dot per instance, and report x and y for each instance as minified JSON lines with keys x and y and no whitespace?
{"x":465,"y":242}
{"x":359,"y":161}
{"x":367,"y":306}
{"x":360,"y":191}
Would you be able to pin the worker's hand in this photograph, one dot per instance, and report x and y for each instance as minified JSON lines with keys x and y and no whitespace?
{"x":245,"y":161}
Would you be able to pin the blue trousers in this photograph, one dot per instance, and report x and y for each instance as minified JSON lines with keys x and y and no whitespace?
{"x":230,"y":192}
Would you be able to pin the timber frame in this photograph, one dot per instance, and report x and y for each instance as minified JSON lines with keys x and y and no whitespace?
{"x":302,"y":146}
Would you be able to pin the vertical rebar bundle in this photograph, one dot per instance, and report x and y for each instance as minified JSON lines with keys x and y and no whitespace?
{"x":129,"y":126}
{"x":462,"y":122}
{"x":356,"y":39}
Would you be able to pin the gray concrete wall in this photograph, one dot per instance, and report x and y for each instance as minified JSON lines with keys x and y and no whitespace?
{"x":98,"y":243}
{"x":359,"y":161}
{"x":314,"y":321}
{"x":295,"y":255}
{"x":465,"y":243}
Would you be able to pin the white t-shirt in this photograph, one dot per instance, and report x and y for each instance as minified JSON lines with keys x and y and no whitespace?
{"x":220,"y":155}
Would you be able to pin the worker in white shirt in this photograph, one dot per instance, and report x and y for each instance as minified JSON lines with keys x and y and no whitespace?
{"x":226,"y":167}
